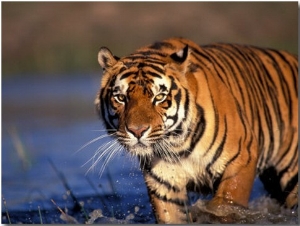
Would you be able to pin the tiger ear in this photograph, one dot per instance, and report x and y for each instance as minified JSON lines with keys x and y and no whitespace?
{"x":106,"y":59}
{"x":181,"y":55}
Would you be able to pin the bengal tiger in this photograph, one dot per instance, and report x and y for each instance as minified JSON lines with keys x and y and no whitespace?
{"x":204,"y":118}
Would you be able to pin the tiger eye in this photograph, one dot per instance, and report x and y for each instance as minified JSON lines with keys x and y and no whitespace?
{"x":120,"y":97}
{"x":160,"y":97}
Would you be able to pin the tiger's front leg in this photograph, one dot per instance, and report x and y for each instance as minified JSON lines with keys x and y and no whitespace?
{"x":236,"y":184}
{"x":167,"y":212}
{"x":169,"y":203}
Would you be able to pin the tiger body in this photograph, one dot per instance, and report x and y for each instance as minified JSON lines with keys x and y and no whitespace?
{"x":206,"y":118}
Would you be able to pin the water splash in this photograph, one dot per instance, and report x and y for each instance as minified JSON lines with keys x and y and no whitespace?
{"x":262,"y":210}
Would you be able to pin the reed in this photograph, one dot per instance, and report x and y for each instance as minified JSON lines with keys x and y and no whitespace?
{"x":6,"y":210}
{"x":40,"y":215}
{"x":77,"y":206}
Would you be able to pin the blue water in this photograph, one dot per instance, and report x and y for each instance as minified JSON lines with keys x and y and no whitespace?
{"x":49,"y":119}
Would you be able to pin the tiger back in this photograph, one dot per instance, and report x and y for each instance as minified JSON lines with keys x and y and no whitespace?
{"x":205,"y":118}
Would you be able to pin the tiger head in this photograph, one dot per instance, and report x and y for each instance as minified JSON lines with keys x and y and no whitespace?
{"x":146,"y":100}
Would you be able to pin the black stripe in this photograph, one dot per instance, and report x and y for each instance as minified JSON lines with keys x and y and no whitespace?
{"x":149,"y":53}
{"x":215,"y":62}
{"x":216,"y":128}
{"x":288,"y":89}
{"x":127,"y":74}
{"x":274,"y":96}
{"x":269,"y":90}
{"x":242,"y":116}
{"x":153,"y":74}
{"x":219,"y":150}
{"x":161,"y":181}
{"x":168,"y":103}
{"x":288,"y":164}
{"x":222,"y":56}
{"x":186,"y":103}
{"x":200,"y":128}
{"x":283,"y":83}
{"x":176,"y":201}
{"x":178,"y":131}
{"x":249,"y":149}
{"x":132,"y":60}
{"x":161,"y":45}
{"x":256,"y":77}
{"x":236,"y":155}
{"x":199,"y":131}
{"x":156,"y":68}
{"x":277,"y":112}
{"x":177,"y":99}
{"x":201,"y":54}
{"x":251,"y":90}
{"x":216,"y":114}
{"x":270,"y":132}
{"x":173,"y":83}
{"x":261,"y":135}
{"x":105,"y":104}
{"x":122,"y":69}
{"x":294,"y":70}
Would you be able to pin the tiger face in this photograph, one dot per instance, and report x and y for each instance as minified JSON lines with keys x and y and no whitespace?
{"x":146,"y":105}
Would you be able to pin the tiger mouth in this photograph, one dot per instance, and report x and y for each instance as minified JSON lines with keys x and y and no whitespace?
{"x":140,"y":145}
{"x":140,"y":149}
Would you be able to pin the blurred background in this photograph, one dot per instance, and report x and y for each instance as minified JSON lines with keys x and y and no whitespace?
{"x":55,"y":37}
{"x":50,"y":77}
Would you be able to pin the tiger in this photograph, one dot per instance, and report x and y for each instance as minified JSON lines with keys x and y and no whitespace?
{"x":206,"y":119}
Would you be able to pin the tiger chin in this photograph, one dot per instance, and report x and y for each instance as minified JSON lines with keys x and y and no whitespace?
{"x":205,"y":118}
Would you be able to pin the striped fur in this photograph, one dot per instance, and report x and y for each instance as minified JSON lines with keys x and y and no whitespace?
{"x":206,"y":118}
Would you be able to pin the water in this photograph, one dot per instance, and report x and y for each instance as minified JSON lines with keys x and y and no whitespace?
{"x":45,"y":121}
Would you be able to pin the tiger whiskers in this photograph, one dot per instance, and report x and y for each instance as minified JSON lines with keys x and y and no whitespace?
{"x":166,"y":150}
{"x":169,"y":150}
{"x":94,"y":140}
{"x":105,"y":152}
{"x":142,"y":162}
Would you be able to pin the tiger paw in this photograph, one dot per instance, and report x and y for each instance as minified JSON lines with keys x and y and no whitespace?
{"x":211,"y":212}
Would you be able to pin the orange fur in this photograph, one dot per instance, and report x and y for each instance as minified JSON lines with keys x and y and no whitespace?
{"x":205,"y":118}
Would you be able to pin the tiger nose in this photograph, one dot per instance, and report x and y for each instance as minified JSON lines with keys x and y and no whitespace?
{"x":137,"y":131}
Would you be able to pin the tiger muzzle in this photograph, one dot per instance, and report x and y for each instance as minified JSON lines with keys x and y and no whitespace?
{"x":137,"y":130}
